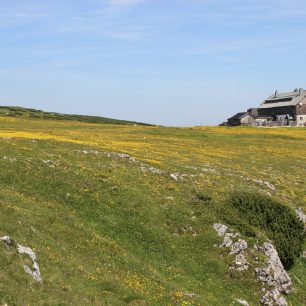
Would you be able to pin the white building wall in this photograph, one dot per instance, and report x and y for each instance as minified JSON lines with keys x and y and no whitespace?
{"x":301,"y":120}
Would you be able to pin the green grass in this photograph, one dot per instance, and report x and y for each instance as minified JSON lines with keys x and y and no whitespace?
{"x":106,"y":233}
{"x":15,"y":111}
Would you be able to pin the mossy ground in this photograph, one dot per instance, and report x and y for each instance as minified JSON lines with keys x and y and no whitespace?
{"x":106,"y":233}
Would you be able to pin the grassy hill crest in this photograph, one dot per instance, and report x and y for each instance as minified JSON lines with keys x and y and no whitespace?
{"x":16,"y":111}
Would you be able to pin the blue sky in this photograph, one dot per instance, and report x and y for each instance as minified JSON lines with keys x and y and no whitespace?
{"x":170,"y":62}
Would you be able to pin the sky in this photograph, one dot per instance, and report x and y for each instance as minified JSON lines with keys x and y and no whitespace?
{"x":168,"y":62}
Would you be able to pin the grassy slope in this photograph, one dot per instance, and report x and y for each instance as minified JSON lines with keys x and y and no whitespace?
{"x":107,"y":233}
{"x":15,"y":111}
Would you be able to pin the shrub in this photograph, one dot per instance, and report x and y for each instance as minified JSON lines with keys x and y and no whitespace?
{"x":278,"y":221}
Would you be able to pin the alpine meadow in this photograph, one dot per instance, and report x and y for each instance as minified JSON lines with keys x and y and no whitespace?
{"x":119,"y":213}
{"x":152,"y":153}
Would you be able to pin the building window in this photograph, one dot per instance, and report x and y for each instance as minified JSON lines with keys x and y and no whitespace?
{"x":301,"y":118}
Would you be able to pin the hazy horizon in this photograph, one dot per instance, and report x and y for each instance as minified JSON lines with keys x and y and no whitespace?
{"x":174,"y":63}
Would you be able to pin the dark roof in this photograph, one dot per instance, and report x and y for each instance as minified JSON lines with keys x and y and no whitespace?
{"x":284,"y":99}
{"x":237,"y":116}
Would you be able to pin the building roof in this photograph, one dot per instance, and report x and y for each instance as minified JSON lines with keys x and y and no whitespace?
{"x":237,"y":116}
{"x":284,"y":99}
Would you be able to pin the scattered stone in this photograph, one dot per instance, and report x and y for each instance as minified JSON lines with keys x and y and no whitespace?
{"x":220,"y":228}
{"x":9,"y":159}
{"x":148,"y":168}
{"x":266,"y":184}
{"x":222,"y":231}
{"x":174,"y":177}
{"x":242,"y":302}
{"x":190,"y":295}
{"x":143,"y":166}
{"x":50,"y":163}
{"x":35,"y":272}
{"x":241,"y":262}
{"x":227,"y":241}
{"x":90,"y":152}
{"x":187,"y":230}
{"x":209,"y":170}
{"x":269,"y":185}
{"x":258,"y":181}
{"x":237,"y":248}
{"x":7,"y":240}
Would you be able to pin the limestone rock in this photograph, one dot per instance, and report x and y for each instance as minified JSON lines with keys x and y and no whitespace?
{"x":34,"y":271}
{"x":174,"y":177}
{"x":239,"y":246}
{"x":274,"y":273}
{"x":241,"y":262}
{"x":220,"y":228}
{"x":300,"y":214}
{"x":273,"y":298}
{"x":242,"y":302}
{"x":227,"y":241}
{"x":7,"y":240}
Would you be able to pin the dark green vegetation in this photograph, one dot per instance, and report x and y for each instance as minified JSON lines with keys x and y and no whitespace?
{"x":107,"y":233}
{"x":278,"y":221}
{"x":15,"y":111}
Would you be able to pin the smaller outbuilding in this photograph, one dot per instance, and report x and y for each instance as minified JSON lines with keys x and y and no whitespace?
{"x":245,"y":118}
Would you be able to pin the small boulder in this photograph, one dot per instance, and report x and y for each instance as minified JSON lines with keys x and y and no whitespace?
{"x":7,"y":240}
{"x":242,"y":302}
{"x":35,"y":271}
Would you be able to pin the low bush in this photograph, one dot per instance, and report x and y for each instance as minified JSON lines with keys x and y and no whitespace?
{"x":277,"y":220}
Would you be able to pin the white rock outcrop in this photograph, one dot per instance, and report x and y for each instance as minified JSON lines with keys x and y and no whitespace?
{"x":237,"y":247}
{"x":7,"y":240}
{"x":221,"y":229}
{"x":300,"y":214}
{"x":34,"y":271}
{"x":273,"y":298}
{"x":274,"y":273}
{"x":173,"y":176}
